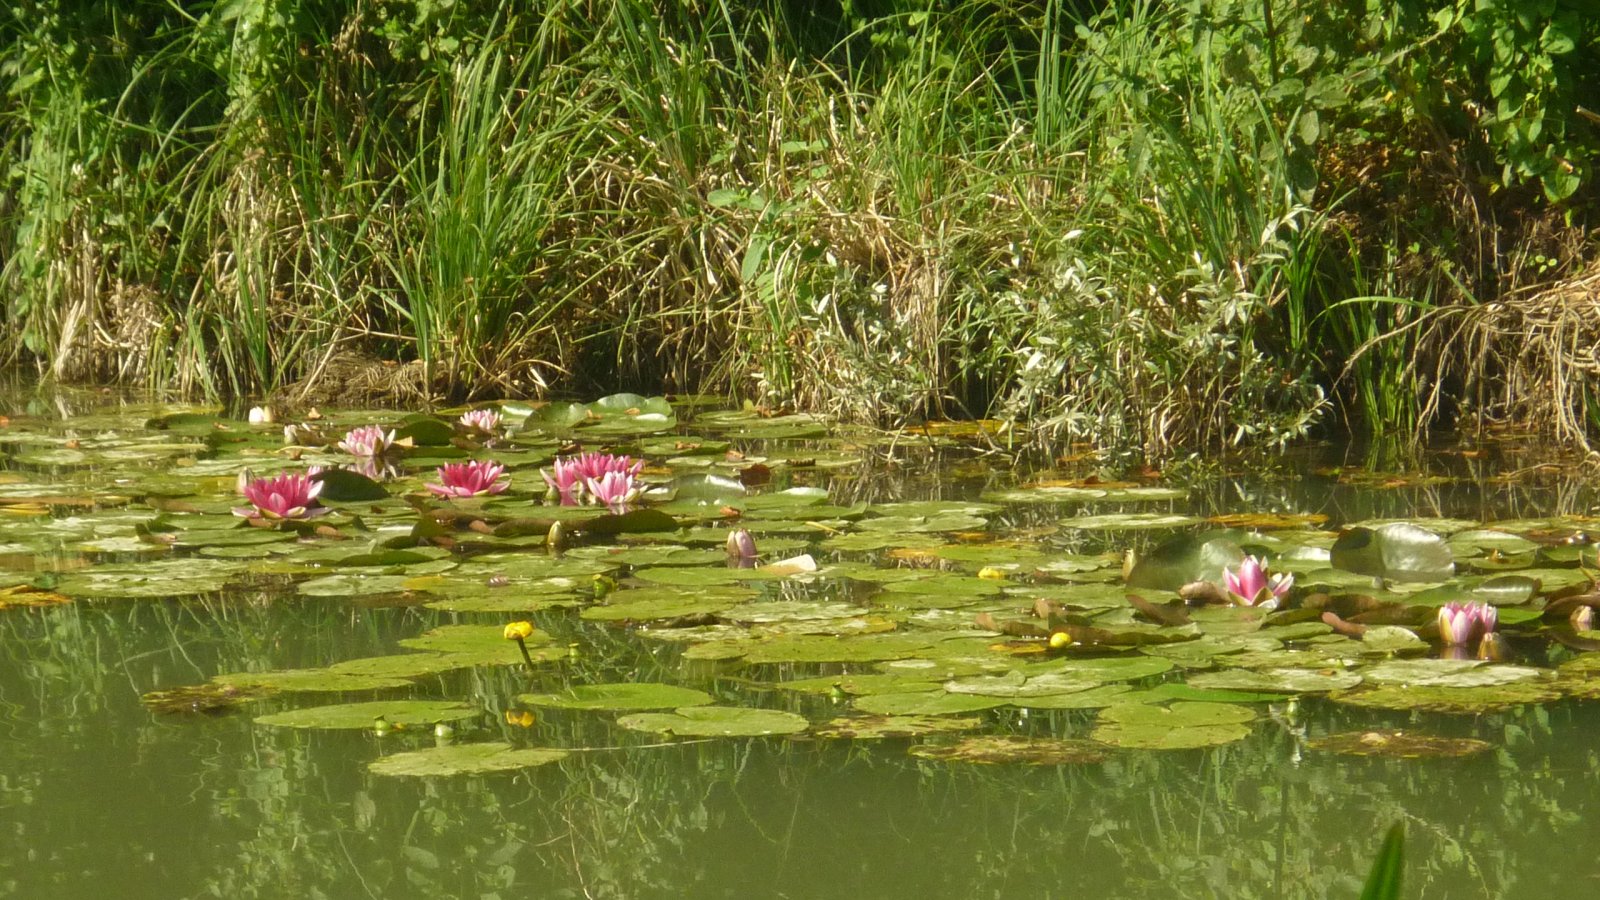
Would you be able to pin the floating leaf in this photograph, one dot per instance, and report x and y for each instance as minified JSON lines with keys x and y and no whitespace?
{"x":717,"y":721}
{"x":873,"y":727}
{"x":1397,"y":551}
{"x":464,"y":759}
{"x":201,"y":698}
{"x":339,"y":485}
{"x":925,"y":703}
{"x":309,"y":681}
{"x":629,"y":695}
{"x":1287,"y":681}
{"x":1184,"y":724}
{"x":1014,"y":749}
{"x":1461,"y":700}
{"x":1398,"y":744}
{"x":1128,"y":522}
{"x":1183,"y":559}
{"x":1448,"y":673}
{"x":364,"y":715}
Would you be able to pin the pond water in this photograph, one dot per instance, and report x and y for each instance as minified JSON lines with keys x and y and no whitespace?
{"x":127,"y":588}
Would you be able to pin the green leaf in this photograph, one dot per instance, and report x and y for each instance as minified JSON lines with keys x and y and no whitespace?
{"x":343,"y":485}
{"x":1383,"y":882}
{"x":367,"y":715}
{"x":717,"y":721}
{"x":464,"y":759}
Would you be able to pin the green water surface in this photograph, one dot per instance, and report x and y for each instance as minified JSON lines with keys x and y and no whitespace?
{"x":103,"y":796}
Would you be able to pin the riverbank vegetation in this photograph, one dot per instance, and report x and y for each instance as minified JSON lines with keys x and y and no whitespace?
{"x":1147,"y":225}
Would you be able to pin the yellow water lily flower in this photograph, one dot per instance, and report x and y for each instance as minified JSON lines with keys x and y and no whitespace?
{"x":519,"y":631}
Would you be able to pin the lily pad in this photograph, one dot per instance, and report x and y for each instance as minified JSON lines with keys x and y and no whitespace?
{"x":628,"y":695}
{"x":364,"y":715}
{"x":926,"y":703}
{"x":873,"y":727}
{"x":1396,"y":551}
{"x":1460,"y":673}
{"x":1183,"y":725}
{"x":1460,"y":700}
{"x":464,"y":759}
{"x":1286,"y":681}
{"x":1398,"y":744}
{"x":717,"y":721}
{"x":310,"y":680}
{"x":992,"y":749}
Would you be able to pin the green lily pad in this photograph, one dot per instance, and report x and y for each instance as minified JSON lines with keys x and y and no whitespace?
{"x":629,"y":695}
{"x":647,"y":604}
{"x":364,"y":715}
{"x":1398,"y":745}
{"x":1128,"y":521}
{"x":815,"y":648}
{"x":1460,"y":673}
{"x":993,"y":749}
{"x":310,"y":680}
{"x":1183,"y":725}
{"x":875,"y":727}
{"x":353,"y":585}
{"x":1286,"y":681}
{"x":1183,"y":559}
{"x":464,"y":759}
{"x":343,"y":485}
{"x":484,"y":644}
{"x":1391,"y":639}
{"x":1014,"y":685}
{"x":861,"y":684}
{"x":1460,"y":700}
{"x":717,"y":721}
{"x":1397,"y":551}
{"x":925,"y":703}
{"x":1093,"y":698}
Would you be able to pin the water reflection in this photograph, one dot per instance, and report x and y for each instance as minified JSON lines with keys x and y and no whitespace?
{"x":96,"y":791}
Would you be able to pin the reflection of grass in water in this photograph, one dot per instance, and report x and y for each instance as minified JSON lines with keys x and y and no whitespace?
{"x":292,"y":811}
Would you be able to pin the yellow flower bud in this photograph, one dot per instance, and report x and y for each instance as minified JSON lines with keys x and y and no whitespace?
{"x":517,"y":631}
{"x":1059,"y":640}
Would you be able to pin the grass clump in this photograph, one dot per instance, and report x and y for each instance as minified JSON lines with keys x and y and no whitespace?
{"x":1149,"y":226}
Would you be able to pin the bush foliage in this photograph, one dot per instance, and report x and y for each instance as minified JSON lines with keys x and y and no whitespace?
{"x":1148,"y":225}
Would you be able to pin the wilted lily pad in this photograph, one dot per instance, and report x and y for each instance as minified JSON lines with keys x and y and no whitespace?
{"x":867,"y":727}
{"x":628,"y":695}
{"x":465,"y":759}
{"x":309,"y":681}
{"x":365,"y":715}
{"x":1014,"y":749}
{"x":717,"y":721}
{"x":201,"y":698}
{"x":1398,"y":744}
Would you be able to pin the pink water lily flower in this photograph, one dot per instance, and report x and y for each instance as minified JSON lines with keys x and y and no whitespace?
{"x":597,"y":465}
{"x":481,"y":419}
{"x":615,"y":489}
{"x":741,"y":545}
{"x":1251,"y":586}
{"x":1461,"y":623}
{"x":471,"y":479}
{"x":565,"y":480}
{"x":288,"y":496}
{"x":368,"y":440}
